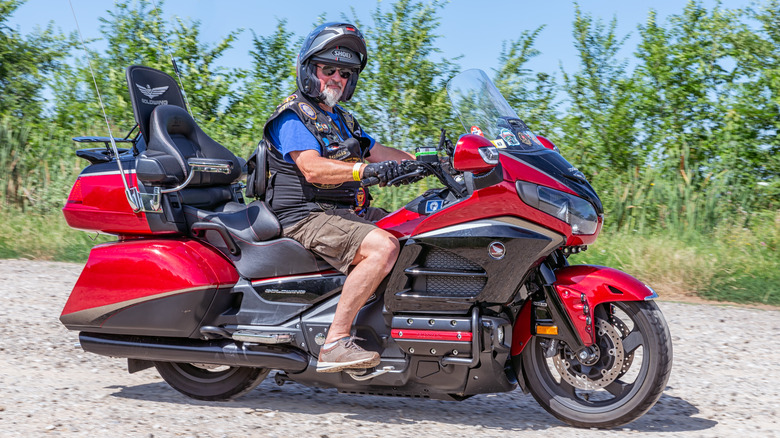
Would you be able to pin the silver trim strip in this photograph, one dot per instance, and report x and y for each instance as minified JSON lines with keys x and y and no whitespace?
{"x":113,"y":172}
{"x":452,"y":228}
{"x":293,"y":277}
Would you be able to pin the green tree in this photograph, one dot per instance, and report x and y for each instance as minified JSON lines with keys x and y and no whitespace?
{"x":599,"y":132}
{"x":269,"y":80}
{"x":401,"y":96}
{"x":532,"y":95}
{"x":136,"y":33}
{"x":25,"y":63}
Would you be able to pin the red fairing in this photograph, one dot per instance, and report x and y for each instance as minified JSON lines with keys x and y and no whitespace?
{"x":495,"y":201}
{"x":400,"y":223}
{"x":98,"y":202}
{"x":521,"y":331}
{"x":131,"y":270}
{"x":546,"y":143}
{"x":599,"y":285}
{"x":515,"y":169}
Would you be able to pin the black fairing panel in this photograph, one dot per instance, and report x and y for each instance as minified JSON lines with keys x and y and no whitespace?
{"x":553,"y":164}
{"x":466,"y":247}
{"x":272,"y":302}
{"x":178,"y":315}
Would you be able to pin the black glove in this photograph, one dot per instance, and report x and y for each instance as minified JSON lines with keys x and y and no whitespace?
{"x":384,"y":171}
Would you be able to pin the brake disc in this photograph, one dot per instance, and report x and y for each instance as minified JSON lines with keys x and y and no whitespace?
{"x":607,"y":368}
{"x":629,"y":358}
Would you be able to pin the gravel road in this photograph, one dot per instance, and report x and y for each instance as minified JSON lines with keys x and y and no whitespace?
{"x":725,"y":383}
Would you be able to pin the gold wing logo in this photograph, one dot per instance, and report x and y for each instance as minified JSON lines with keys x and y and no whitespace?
{"x":150,"y":92}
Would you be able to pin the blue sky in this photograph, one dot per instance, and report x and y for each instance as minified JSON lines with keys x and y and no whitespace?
{"x":474,"y":29}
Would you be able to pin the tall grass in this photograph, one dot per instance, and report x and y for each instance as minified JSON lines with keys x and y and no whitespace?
{"x":690,"y":235}
{"x":731,"y":264}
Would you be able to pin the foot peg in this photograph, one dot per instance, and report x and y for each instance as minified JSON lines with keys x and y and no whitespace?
{"x":361,"y":375}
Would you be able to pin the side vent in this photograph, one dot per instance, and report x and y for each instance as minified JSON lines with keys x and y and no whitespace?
{"x":446,"y":274}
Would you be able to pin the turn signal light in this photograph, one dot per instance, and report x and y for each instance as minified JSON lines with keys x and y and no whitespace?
{"x":549,"y":330}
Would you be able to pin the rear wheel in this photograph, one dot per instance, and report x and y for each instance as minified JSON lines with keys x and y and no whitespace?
{"x":210,"y":382}
{"x":616,"y":380}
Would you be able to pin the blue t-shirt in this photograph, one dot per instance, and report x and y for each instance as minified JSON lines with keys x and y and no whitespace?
{"x":290,"y":134}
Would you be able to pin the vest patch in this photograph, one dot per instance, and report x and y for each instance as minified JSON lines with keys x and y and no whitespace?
{"x":307,"y":110}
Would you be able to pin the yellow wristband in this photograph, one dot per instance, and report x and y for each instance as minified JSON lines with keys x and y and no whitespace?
{"x":356,"y":171}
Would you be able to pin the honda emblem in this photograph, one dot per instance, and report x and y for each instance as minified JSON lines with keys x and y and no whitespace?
{"x":497,"y":250}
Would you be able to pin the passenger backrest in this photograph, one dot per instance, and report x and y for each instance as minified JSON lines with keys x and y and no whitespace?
{"x":257,"y":172}
{"x":150,"y":88}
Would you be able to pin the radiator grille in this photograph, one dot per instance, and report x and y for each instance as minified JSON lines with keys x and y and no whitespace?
{"x":450,"y":286}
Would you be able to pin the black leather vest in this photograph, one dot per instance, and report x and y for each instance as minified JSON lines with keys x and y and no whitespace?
{"x":289,"y":195}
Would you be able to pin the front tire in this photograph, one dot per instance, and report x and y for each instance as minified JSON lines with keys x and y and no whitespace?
{"x":615,"y":386}
{"x":210,"y":382}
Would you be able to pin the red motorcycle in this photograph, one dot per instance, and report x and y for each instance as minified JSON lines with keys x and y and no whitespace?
{"x":201,"y":286}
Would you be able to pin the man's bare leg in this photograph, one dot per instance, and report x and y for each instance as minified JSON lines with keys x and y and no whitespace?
{"x":373,"y":261}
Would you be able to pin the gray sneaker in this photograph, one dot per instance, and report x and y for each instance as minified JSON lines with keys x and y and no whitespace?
{"x":346,"y":354}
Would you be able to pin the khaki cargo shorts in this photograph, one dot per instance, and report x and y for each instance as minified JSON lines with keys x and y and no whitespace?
{"x":335,"y":235}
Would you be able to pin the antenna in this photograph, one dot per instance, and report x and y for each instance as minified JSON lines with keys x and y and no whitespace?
{"x":173,"y":62}
{"x":133,"y":197}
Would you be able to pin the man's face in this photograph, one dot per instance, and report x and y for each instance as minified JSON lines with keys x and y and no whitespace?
{"x":332,"y":82}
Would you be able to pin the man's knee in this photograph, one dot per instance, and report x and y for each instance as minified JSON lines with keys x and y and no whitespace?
{"x":380,"y":247}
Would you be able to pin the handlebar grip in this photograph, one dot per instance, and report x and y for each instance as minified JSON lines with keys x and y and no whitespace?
{"x":370,"y":181}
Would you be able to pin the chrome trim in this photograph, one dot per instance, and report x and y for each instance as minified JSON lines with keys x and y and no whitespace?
{"x":211,"y":168}
{"x":653,"y":294}
{"x":263,"y":338}
{"x":423,"y":271}
{"x":473,"y":361}
{"x":354,"y":373}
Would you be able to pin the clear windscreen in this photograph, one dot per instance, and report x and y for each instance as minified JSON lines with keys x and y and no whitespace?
{"x":483,"y":110}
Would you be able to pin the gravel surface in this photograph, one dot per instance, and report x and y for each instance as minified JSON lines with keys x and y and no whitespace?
{"x":725,"y":383}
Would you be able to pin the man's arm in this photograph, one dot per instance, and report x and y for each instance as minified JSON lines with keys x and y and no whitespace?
{"x":383,"y":153}
{"x":320,"y":170}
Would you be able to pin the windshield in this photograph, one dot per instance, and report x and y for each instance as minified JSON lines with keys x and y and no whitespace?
{"x":483,"y":110}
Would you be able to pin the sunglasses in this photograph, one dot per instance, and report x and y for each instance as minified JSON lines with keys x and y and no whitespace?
{"x":329,"y":70}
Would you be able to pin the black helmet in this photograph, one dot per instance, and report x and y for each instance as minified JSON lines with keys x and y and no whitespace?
{"x":339,"y":44}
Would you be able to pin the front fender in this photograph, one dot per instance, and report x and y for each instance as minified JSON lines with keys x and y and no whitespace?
{"x":581,"y":288}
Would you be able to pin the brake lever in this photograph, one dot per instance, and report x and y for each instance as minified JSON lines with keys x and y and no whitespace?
{"x":393,"y":181}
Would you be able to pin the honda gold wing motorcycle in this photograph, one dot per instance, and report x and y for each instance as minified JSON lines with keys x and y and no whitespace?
{"x":200,"y":284}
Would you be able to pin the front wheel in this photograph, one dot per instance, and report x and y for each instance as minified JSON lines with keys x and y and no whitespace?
{"x":210,"y":382}
{"x":613,"y":382}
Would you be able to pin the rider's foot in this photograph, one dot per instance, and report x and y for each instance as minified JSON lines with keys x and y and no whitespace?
{"x":345,"y":354}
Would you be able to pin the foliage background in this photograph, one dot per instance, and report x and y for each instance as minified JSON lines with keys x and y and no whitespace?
{"x":683,"y":147}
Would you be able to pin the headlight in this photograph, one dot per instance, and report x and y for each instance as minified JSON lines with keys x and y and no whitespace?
{"x":571,"y":209}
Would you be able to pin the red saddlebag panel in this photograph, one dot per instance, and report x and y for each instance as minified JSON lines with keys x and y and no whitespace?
{"x":149,"y":287}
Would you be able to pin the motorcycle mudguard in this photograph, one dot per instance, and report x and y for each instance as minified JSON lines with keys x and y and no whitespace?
{"x":581,"y":288}
{"x":152,"y":287}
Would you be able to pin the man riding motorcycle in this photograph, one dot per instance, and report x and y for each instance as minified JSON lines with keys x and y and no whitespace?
{"x":316,"y":165}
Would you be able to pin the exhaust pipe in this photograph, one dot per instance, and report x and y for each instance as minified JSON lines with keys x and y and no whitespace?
{"x":218,"y":352}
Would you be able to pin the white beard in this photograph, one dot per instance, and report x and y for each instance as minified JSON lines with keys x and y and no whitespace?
{"x":330,"y":96}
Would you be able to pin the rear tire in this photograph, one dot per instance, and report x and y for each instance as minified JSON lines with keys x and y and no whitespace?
{"x":616,"y":389}
{"x":210,"y":382}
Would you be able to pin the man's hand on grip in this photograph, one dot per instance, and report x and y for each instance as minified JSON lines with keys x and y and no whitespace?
{"x":385,"y":171}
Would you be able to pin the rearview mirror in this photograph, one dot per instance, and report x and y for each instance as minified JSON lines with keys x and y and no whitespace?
{"x":475,"y":154}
